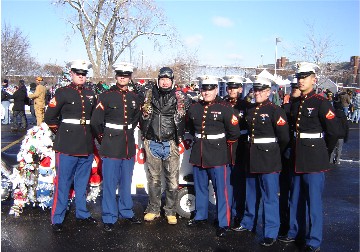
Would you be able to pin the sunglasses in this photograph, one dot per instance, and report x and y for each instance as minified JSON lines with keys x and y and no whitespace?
{"x":124,"y":75}
{"x":303,"y":75}
{"x":78,"y":74}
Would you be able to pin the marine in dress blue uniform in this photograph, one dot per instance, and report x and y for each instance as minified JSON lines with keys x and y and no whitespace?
{"x":237,"y":150}
{"x":316,"y":132}
{"x":285,"y":178}
{"x":268,"y":138}
{"x":68,"y":116}
{"x":114,"y":120}
{"x":214,"y":126}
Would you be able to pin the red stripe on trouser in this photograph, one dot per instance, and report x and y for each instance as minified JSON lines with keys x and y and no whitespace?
{"x":228,"y":215}
{"x":56,"y":191}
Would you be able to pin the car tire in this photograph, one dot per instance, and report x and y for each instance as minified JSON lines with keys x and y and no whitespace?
{"x":185,"y":203}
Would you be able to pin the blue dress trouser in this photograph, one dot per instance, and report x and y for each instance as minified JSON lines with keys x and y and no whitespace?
{"x":220,"y":178}
{"x":262,"y":187}
{"x":306,"y":190}
{"x":117,"y":172}
{"x":237,"y":190}
{"x":69,"y":169}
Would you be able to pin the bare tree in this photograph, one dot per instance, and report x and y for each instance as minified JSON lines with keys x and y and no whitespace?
{"x":109,"y":27}
{"x":52,"y":70}
{"x":185,"y":67}
{"x":318,"y":48}
{"x":15,"y":55}
{"x":322,"y":49}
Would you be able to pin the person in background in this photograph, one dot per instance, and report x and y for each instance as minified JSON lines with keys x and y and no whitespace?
{"x":68,"y":117}
{"x":356,"y":104}
{"x":32,"y":110}
{"x":345,"y":100}
{"x":286,"y":99}
{"x":20,"y":100}
{"x":343,"y":133}
{"x":236,"y":152}
{"x":285,"y":178}
{"x":250,"y":96}
{"x":281,"y":94}
{"x":5,"y":102}
{"x":330,"y":97}
{"x":276,"y":98}
{"x":114,"y":120}
{"x":39,"y":100}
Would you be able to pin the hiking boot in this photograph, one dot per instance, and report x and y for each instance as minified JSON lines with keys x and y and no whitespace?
{"x":151,"y":216}
{"x":171,"y":219}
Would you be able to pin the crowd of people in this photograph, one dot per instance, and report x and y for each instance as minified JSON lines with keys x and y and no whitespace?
{"x":249,"y":148}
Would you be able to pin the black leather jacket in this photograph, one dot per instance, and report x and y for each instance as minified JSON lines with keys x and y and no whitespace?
{"x":163,"y":117}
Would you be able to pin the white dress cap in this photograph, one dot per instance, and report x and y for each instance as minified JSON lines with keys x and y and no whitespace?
{"x":208,"y":80}
{"x":306,"y":67}
{"x":79,"y":65}
{"x":123,"y":67}
{"x":261,"y":82}
{"x":233,"y":78}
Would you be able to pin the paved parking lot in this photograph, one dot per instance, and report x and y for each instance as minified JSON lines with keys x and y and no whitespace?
{"x":32,"y":230}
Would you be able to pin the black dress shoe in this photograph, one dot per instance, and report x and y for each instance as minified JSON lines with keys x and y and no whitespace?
{"x":221,"y":231}
{"x":236,"y":222}
{"x":134,"y":220}
{"x":193,"y":222}
{"x":311,"y":249}
{"x":108,"y":227}
{"x":239,"y":229}
{"x":286,"y":239}
{"x":88,"y":220}
{"x":57,"y":227}
{"x":267,"y":242}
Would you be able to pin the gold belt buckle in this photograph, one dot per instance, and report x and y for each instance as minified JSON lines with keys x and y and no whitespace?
{"x":82,"y":121}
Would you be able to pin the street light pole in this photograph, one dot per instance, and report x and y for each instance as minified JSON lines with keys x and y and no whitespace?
{"x":276,"y":41}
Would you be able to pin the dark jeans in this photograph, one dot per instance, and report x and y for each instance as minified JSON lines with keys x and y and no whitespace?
{"x":170,"y":167}
{"x":32,"y":110}
{"x":19,"y":115}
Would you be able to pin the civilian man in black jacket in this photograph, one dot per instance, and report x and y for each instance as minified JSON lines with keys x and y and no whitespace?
{"x":20,"y":99}
{"x":163,"y":128}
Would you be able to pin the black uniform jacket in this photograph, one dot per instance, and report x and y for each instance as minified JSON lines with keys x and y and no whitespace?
{"x":295,"y":102}
{"x":314,"y":114}
{"x":212,"y":119}
{"x":72,"y":102}
{"x":236,"y":150}
{"x":266,"y":120}
{"x":119,"y":108}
